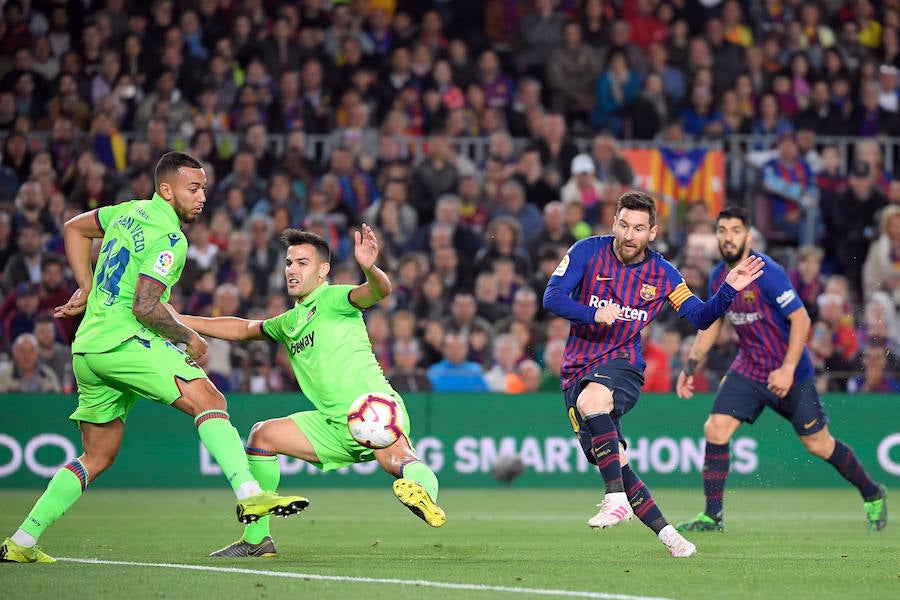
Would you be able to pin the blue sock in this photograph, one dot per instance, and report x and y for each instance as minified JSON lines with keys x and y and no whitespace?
{"x":716,"y":462}
{"x":605,"y":445}
{"x":844,"y":460}
{"x":642,"y":502}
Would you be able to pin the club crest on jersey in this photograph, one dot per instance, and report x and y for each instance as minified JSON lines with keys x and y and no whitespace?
{"x":310,"y":314}
{"x":749,"y":296}
{"x":648,"y":292}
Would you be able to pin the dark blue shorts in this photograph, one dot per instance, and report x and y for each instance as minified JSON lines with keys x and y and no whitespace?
{"x":624,"y":380}
{"x":744,"y":399}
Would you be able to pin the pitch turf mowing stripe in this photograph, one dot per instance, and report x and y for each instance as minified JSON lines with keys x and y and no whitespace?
{"x":410,"y":582}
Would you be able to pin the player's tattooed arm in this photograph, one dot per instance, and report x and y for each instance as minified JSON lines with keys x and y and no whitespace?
{"x":154,"y":315}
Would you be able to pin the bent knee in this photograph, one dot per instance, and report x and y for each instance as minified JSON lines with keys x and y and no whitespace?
{"x":822,"y":448}
{"x":594,"y":401}
{"x":259,"y":436}
{"x":719,"y":430}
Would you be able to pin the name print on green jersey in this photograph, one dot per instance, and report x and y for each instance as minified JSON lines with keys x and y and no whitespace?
{"x":303,"y":343}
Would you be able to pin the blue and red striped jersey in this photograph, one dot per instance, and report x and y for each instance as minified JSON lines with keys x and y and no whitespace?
{"x":759,"y":315}
{"x":590,"y":276}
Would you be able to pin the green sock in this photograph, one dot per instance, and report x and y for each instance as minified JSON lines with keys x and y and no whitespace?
{"x":420,"y":473}
{"x":224,"y":444}
{"x":62,"y":492}
{"x":265,"y":468}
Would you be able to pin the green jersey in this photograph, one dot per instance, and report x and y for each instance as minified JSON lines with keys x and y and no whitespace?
{"x":329,"y":349}
{"x":142,"y":238}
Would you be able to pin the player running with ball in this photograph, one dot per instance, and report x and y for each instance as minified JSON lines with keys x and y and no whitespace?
{"x":332,"y":358}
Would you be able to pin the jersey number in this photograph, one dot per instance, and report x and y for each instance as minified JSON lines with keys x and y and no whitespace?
{"x":112,"y":266}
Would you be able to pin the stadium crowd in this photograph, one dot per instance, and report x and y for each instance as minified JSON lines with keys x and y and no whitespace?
{"x":92,"y":92}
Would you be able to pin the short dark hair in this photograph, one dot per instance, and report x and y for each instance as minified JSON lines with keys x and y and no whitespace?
{"x":296,"y":237}
{"x":735,"y":212}
{"x":171,"y":162}
{"x":50,"y":258}
{"x":635,"y":200}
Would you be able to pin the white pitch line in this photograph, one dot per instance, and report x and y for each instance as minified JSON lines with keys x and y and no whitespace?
{"x":409,"y":582}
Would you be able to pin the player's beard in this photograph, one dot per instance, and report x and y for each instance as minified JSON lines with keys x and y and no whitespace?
{"x":733,"y":257}
{"x":628,"y":254}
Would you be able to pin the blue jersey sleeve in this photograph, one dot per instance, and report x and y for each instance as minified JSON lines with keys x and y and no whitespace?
{"x":703,"y":314}
{"x":777,"y":288}
{"x":565,"y":279}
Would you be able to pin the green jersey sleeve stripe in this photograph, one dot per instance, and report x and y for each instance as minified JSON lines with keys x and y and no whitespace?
{"x":153,"y":279}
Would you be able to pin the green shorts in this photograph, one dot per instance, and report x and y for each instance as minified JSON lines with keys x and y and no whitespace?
{"x":332,"y":441}
{"x":144,"y":366}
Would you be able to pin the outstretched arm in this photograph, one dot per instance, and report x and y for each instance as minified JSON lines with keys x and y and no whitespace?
{"x":702,"y":314}
{"x":377,"y":285}
{"x":79,"y":234}
{"x":233,"y":329}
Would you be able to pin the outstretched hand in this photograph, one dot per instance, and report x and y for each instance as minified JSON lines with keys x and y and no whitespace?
{"x":365,"y":248}
{"x":750,"y":269}
{"x":75,"y":305}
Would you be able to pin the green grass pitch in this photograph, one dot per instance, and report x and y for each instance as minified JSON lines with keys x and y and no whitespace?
{"x":499,"y":543}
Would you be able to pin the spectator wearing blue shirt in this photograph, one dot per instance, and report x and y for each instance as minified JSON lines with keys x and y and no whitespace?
{"x":454,"y":373}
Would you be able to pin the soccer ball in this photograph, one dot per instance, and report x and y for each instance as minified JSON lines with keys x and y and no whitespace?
{"x":375,"y":420}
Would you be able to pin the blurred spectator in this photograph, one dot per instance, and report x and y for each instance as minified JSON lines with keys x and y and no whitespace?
{"x":487,"y":300}
{"x":832,"y":310}
{"x":555,"y":148}
{"x":432,"y":300}
{"x":22,"y":314}
{"x":504,"y":239}
{"x":453,"y":373}
{"x":25,"y":373}
{"x":464,"y":316}
{"x":506,"y":353}
{"x":583,"y":187}
{"x":881,"y":270}
{"x":524,"y":311}
{"x":553,"y":232}
{"x":611,"y":166}
{"x":827,"y":357}
{"x":616,"y":90}
{"x":525,"y":379}
{"x":807,"y":278}
{"x":513,"y":205}
{"x":792,"y":191}
{"x":25,"y":265}
{"x":243,"y":175}
{"x":652,"y":109}
{"x":572,"y":71}
{"x":52,"y":352}
{"x":874,"y":379}
{"x":552,"y":359}
{"x":434,"y":176}
{"x":658,"y":374}
{"x":541,"y":31}
{"x":869,"y":151}
{"x":852,"y":220}
{"x":406,"y":375}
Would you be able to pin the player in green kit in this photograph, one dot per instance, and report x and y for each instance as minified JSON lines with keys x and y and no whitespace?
{"x":332,"y":358}
{"x":125,"y":348}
